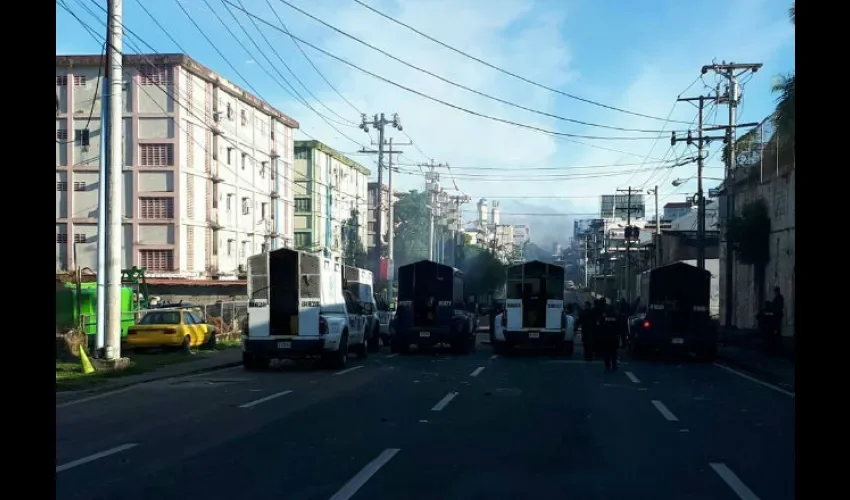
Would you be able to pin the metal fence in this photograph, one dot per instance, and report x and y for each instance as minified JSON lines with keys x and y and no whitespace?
{"x":227,"y":317}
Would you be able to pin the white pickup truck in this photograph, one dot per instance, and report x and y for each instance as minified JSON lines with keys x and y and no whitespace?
{"x":297,"y":309}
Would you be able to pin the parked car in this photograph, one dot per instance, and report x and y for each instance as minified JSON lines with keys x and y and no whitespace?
{"x":176,"y":329}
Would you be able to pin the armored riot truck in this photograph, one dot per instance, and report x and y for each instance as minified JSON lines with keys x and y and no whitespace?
{"x":677,"y":319}
{"x":297,"y":309}
{"x":358,"y":283}
{"x":431,"y":309}
{"x":534,"y":314}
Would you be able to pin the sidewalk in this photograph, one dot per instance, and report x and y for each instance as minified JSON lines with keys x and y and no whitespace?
{"x":223,"y":359}
{"x":744,"y":352}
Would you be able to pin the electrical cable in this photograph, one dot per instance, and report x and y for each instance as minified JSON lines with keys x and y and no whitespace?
{"x":509,"y":73}
{"x":434,"y":99}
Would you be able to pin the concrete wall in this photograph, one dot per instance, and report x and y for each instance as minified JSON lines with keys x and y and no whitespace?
{"x":778,"y":191}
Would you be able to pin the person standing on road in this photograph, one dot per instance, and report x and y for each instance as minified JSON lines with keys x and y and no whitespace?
{"x":768,"y":326}
{"x":587,"y":323}
{"x":608,"y":336}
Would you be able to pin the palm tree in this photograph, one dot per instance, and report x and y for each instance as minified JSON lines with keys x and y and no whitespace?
{"x":785,"y":105}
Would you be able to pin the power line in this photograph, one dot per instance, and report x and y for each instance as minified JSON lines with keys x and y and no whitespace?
{"x":514,"y":75}
{"x":279,"y":58}
{"x":445,"y":103}
{"x":309,"y":60}
{"x":175,"y":97}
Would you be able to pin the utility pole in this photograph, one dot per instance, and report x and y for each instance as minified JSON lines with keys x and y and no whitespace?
{"x":114,"y":179}
{"x":657,"y":228}
{"x":432,"y":186}
{"x":586,"y":260}
{"x":102,"y":231}
{"x":379,"y":122}
{"x":628,"y":265}
{"x":731,"y":72}
{"x":701,"y":140}
{"x":391,"y":224}
{"x":458,"y":201}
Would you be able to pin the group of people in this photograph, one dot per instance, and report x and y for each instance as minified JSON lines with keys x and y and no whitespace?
{"x":603,"y":329}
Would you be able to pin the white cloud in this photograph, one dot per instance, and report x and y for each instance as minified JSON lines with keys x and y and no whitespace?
{"x":526,"y":39}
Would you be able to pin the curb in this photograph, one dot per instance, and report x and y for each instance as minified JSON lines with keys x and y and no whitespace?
{"x":755,"y":371}
{"x":117,"y":385}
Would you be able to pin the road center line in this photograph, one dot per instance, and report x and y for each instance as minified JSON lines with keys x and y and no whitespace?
{"x":355,"y":483}
{"x":632,"y":377}
{"x":734,"y":482}
{"x":392,"y":355}
{"x":349,"y":370}
{"x":96,"y":456}
{"x":664,"y":411}
{"x":753,"y":379}
{"x":444,"y":402}
{"x":477,"y":371}
{"x":263,"y":400}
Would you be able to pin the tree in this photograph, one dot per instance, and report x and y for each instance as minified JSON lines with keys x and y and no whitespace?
{"x":786,"y":106}
{"x":749,"y":233}
{"x":411,"y":225}
{"x":353,"y":249}
{"x":483,"y":272}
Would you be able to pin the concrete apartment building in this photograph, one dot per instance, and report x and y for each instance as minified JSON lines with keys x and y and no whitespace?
{"x":372,"y":225}
{"x":330,"y":193}
{"x":207,"y":168}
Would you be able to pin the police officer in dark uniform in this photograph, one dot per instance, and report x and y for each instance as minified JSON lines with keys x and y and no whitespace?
{"x":611,"y":329}
{"x":768,"y":326}
{"x":587,"y":323}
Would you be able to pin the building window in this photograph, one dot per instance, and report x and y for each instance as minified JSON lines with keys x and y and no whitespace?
{"x":61,"y":134}
{"x":229,"y":111}
{"x":229,"y":153}
{"x":302,"y":205}
{"x":157,"y":260}
{"x":246,"y":206}
{"x":62,"y":238}
{"x":156,"y":155}
{"x":152,"y":75}
{"x":264,"y":207}
{"x":80,"y":237}
{"x":263,"y":248}
{"x":81,"y":137}
{"x":244,"y":160}
{"x":263,"y":166}
{"x":302,"y":240}
{"x":79,"y":186}
{"x":62,"y":81}
{"x":156,"y":208}
{"x":61,"y":186}
{"x":371,"y":227}
{"x":302,"y":153}
{"x":230,"y":243}
{"x":79,"y":80}
{"x":229,"y":202}
{"x":243,"y":117}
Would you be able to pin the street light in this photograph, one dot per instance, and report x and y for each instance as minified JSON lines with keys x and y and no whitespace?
{"x":679,"y":182}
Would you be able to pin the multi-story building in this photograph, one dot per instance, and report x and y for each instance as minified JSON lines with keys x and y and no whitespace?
{"x":330,"y":200}
{"x":373,"y":215}
{"x":207,"y":168}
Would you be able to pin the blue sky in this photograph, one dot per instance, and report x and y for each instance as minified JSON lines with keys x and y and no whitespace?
{"x":634,"y":55}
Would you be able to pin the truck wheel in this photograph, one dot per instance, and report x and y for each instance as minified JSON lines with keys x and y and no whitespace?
{"x":374,"y":343}
{"x":338,"y":359}
{"x":252,"y":363}
{"x":501,"y":349}
{"x":397,"y":346}
{"x":361,"y":350}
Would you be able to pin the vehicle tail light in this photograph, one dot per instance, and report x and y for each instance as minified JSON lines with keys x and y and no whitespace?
{"x":505,"y":318}
{"x":169,"y":331}
{"x":646,"y":324}
{"x":323,"y":326}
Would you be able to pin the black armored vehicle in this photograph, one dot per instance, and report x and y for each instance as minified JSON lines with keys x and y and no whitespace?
{"x":431,"y":309}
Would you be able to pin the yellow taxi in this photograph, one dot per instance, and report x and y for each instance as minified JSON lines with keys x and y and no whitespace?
{"x":173,"y":328}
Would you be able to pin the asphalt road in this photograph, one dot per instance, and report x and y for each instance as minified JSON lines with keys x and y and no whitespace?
{"x":435,"y":426}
